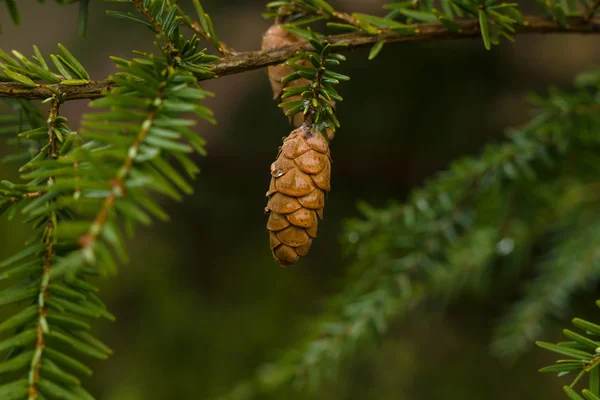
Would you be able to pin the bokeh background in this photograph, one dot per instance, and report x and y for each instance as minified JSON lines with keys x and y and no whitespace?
{"x":201,"y":304}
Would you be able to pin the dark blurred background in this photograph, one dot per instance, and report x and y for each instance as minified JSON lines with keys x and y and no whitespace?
{"x":202,"y":304}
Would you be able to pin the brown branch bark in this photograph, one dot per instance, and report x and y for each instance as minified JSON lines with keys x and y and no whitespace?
{"x":426,"y":32}
{"x":242,"y":62}
{"x":91,"y":90}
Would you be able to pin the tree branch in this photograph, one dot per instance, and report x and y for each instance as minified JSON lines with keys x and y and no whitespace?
{"x":426,"y":32}
{"x":242,"y":62}
{"x":91,"y":90}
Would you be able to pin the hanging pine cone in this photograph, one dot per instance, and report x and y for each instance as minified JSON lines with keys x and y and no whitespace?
{"x":276,"y":36}
{"x":300,"y":181}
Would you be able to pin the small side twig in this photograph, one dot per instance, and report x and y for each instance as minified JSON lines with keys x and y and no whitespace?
{"x":345,"y":17}
{"x":222,"y":48}
{"x":590,"y":11}
{"x":49,"y":239}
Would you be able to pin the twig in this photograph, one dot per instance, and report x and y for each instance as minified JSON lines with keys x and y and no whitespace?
{"x":148,"y":15}
{"x":28,"y":195}
{"x":91,"y":90}
{"x":223,"y":48}
{"x":590,"y":11}
{"x":88,"y":240}
{"x":346,"y":18}
{"x":49,"y":238}
{"x":248,"y":61}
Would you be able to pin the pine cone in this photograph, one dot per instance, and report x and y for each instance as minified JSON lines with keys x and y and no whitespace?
{"x":276,"y":36}
{"x":300,"y":181}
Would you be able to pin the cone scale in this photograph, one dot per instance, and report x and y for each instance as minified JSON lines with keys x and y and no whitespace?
{"x":300,"y":181}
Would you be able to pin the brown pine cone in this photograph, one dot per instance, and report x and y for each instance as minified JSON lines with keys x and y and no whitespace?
{"x":276,"y":36}
{"x":300,"y":181}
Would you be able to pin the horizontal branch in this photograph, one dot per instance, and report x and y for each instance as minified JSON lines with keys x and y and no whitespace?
{"x":90,"y":90}
{"x":469,"y":28}
{"x":242,"y":62}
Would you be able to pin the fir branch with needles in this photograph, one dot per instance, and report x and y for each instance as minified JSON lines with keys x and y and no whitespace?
{"x":583,"y":360}
{"x":79,"y":184}
{"x":60,"y":309}
{"x":316,"y":95}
